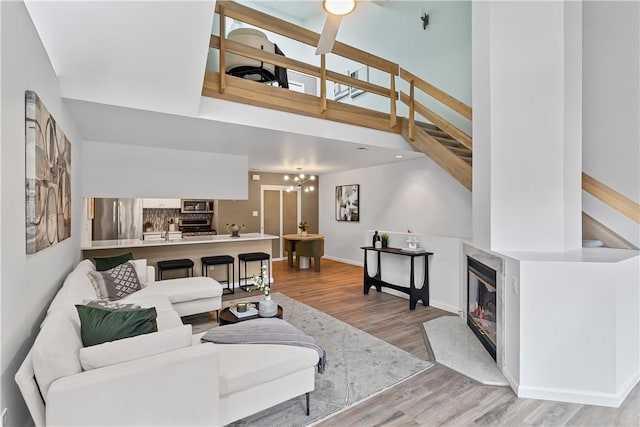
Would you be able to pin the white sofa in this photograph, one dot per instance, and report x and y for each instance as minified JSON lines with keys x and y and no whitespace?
{"x":162,"y":378}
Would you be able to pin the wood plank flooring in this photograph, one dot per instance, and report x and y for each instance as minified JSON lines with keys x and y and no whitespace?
{"x":439,"y":396}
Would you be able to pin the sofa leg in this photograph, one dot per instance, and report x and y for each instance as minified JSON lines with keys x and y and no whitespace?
{"x":307,"y":403}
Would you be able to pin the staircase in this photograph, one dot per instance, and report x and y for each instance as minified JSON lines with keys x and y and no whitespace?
{"x":450,"y":147}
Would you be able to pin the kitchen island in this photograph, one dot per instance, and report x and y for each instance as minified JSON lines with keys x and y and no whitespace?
{"x":188,"y":247}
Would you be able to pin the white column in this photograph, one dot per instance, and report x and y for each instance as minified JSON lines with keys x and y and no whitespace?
{"x":527,"y":152}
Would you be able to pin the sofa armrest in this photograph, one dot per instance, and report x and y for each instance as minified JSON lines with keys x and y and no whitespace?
{"x":151,"y":274}
{"x":179,"y":387}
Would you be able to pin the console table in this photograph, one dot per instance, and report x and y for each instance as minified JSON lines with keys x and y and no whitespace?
{"x":414,"y":294}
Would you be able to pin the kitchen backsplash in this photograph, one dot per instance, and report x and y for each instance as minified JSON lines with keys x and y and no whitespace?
{"x":158,"y":217}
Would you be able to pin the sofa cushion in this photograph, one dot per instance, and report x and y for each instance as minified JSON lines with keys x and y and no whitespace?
{"x":160,"y":302}
{"x":133,"y":348}
{"x":244,"y":366}
{"x":55,"y":350}
{"x":108,"y":262}
{"x":116,"y":283}
{"x":98,"y":325}
{"x":186,"y":289}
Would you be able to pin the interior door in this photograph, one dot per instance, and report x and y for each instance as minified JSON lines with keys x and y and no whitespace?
{"x":280,"y":211}
{"x":271,"y":217}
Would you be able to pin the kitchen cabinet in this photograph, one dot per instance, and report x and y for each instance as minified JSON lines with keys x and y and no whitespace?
{"x":161,"y":203}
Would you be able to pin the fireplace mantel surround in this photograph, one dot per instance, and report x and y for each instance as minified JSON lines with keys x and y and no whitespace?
{"x":568,"y":322}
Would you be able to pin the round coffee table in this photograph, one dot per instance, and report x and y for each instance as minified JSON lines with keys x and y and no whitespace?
{"x":226,"y":317}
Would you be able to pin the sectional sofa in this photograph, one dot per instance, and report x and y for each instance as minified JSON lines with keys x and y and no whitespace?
{"x":166,"y":377}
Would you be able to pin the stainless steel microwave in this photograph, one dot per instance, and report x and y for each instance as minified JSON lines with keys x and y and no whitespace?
{"x":196,"y":206}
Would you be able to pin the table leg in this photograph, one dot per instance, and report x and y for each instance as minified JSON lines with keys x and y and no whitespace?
{"x":425,"y":284}
{"x":365,"y":279}
{"x":316,"y":263}
{"x":413,"y":298}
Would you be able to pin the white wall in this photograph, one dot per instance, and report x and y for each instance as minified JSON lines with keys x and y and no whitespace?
{"x":582,"y":303}
{"x":611,"y":129}
{"x":28,"y":282}
{"x":532,"y":132}
{"x":481,"y":170}
{"x":414,"y":194}
{"x":119,"y":170}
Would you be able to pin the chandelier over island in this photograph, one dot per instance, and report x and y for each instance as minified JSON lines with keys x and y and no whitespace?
{"x":300,"y":182}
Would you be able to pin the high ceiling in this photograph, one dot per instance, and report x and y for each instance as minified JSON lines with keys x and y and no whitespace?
{"x":132,"y":72}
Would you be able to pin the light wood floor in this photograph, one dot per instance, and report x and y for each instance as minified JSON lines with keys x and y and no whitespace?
{"x":438,"y":396}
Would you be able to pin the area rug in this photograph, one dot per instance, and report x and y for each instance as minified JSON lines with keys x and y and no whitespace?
{"x":359,"y":366}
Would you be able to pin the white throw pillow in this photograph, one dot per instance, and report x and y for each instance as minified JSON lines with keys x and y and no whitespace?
{"x":141,"y":270}
{"x":138,"y":347}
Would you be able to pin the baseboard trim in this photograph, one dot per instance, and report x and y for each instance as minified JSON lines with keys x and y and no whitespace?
{"x":512,"y":381}
{"x":613,"y":400}
{"x":346,"y":261}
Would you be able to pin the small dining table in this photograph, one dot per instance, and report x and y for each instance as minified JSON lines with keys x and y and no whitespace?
{"x":311,"y":245}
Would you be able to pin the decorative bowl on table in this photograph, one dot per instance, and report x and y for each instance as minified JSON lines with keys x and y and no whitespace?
{"x":234,"y":229}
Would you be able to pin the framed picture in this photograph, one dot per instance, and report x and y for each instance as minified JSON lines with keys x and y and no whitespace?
{"x":339,"y":91}
{"x":348,"y":202}
{"x":48,"y":177}
{"x":360,"y":74}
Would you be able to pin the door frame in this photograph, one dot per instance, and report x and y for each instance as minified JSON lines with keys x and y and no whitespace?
{"x":282,"y":189}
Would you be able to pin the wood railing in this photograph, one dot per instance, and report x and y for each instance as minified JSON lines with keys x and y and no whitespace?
{"x":611,"y":197}
{"x":327,"y":108}
{"x":302,"y":35}
{"x":439,"y":95}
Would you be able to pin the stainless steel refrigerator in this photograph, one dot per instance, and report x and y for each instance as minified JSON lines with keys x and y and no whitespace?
{"x":115,"y":219}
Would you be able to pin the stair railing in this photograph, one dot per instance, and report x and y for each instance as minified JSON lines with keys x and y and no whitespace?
{"x":256,"y":18}
{"x":611,"y":197}
{"x":439,"y":95}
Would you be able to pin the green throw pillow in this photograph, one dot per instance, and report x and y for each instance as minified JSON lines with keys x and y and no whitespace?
{"x":99,"y":325}
{"x":108,"y":262}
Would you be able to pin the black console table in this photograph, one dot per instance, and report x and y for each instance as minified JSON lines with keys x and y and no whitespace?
{"x":414,"y":294}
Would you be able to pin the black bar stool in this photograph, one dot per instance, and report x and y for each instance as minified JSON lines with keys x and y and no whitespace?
{"x":208,"y":261}
{"x":250,"y":257}
{"x":175,"y":264}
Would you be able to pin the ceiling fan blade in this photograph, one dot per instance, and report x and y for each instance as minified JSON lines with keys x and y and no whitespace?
{"x":329,"y":33}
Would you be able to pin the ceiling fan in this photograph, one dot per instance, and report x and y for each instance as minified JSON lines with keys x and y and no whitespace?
{"x":335,"y":9}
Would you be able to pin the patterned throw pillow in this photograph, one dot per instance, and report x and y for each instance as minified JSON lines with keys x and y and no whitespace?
{"x":116,"y":283}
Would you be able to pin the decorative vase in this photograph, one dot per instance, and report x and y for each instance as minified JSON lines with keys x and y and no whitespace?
{"x":303,"y":232}
{"x":267,"y":307}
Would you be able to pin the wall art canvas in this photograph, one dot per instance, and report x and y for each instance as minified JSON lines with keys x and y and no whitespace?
{"x":48,"y":177}
{"x":348,"y":202}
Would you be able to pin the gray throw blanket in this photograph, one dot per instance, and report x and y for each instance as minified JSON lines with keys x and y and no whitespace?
{"x":265,"y":331}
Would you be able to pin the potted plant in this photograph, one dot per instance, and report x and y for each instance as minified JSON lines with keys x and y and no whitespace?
{"x":303,"y":227}
{"x":148,"y":226}
{"x":385,"y":240}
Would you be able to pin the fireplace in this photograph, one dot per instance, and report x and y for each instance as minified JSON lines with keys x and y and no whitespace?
{"x":482,"y":303}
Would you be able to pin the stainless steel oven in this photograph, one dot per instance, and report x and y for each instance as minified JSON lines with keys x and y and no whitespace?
{"x":196,"y":227}
{"x":196,"y":206}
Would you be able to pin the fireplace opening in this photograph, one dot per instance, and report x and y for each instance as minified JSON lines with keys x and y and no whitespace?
{"x":481,"y":304}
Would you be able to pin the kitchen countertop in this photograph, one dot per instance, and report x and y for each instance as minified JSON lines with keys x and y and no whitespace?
{"x":194,"y":240}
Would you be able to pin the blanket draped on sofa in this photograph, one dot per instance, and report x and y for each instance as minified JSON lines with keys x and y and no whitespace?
{"x":266,"y":331}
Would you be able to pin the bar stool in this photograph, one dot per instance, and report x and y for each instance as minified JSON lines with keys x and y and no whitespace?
{"x":175,"y":264}
{"x":250,"y":257}
{"x":227,"y":260}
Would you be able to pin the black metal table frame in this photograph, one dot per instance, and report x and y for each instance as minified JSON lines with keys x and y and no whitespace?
{"x":414,"y":294}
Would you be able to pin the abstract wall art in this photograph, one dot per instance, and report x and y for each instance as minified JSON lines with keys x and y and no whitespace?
{"x":48,"y":177}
